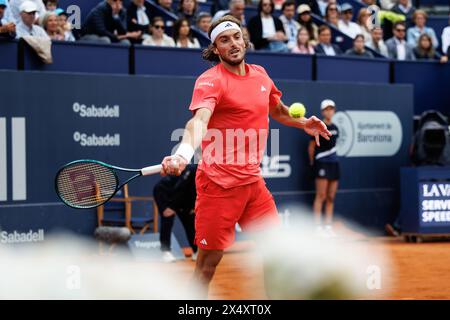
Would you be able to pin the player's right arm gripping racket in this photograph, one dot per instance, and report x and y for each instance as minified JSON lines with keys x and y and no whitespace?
{"x":85,"y":184}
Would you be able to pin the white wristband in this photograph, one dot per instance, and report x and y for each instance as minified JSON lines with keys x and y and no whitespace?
{"x":186,"y":151}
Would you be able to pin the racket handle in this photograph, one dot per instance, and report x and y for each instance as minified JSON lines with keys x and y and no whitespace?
{"x":151,"y":170}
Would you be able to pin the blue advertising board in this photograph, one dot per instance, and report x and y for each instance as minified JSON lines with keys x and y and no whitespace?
{"x":49,"y":119}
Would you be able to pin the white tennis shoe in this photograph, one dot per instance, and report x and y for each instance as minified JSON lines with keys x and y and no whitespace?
{"x":168,"y":257}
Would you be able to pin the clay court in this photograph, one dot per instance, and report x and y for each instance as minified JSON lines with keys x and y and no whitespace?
{"x":420,"y":271}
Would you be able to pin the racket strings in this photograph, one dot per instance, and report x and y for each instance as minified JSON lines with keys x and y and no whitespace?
{"x":86,"y":184}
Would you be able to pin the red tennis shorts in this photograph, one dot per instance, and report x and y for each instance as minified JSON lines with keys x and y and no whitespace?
{"x":217,"y":210}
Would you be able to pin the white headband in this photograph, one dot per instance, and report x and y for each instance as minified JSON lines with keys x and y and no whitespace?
{"x":223,"y":26}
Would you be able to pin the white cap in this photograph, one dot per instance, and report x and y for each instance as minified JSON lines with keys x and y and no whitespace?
{"x":327,"y":103}
{"x":28,"y":6}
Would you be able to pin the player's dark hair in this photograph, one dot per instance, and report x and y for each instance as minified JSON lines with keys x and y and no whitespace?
{"x":208,"y":53}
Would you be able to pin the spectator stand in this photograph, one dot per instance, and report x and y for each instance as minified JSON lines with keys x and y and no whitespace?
{"x":170,"y":18}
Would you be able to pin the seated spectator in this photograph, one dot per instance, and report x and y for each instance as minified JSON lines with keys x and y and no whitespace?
{"x":51,"y":5}
{"x":305,"y":20}
{"x":204,"y":20}
{"x":405,"y":8}
{"x":182,"y":34}
{"x":419,"y":19}
{"x":445,"y":38}
{"x":358,"y":49}
{"x":346,"y":25}
{"x":158,"y":37}
{"x":14,"y":14}
{"x":376,"y":42}
{"x":397,"y":46}
{"x":266,"y":30}
{"x":325,"y":46}
{"x":365,"y":24}
{"x":425,"y":51}
{"x":166,"y":5}
{"x":65,"y":26}
{"x":303,"y":45}
{"x":26,"y":26}
{"x":7,"y":28}
{"x":106,"y":23}
{"x":50,"y":24}
{"x":290,"y":25}
{"x":139,"y":15}
{"x":332,"y":14}
{"x":188,"y":9}
{"x":236,"y":9}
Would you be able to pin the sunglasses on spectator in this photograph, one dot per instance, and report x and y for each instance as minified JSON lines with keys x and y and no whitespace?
{"x":400,"y":30}
{"x":159,"y":27}
{"x":266,"y":4}
{"x":332,"y":9}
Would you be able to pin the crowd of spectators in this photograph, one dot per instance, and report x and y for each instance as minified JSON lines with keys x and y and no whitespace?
{"x":294,"y":29}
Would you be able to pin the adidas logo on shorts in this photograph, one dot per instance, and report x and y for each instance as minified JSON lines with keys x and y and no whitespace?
{"x":203,"y":242}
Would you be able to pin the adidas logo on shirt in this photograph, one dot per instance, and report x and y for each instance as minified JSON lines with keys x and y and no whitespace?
{"x":203,"y":242}
{"x":263,"y":89}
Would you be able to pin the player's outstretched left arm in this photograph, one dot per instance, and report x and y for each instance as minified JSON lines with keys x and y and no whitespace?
{"x":312,"y":126}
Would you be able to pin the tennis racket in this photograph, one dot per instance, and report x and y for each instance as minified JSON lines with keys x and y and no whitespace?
{"x":85,"y":184}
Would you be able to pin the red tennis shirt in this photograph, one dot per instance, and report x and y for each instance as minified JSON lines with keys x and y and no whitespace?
{"x":237,"y":133}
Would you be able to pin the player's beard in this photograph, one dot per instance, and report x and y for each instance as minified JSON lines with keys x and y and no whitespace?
{"x":233,"y":62}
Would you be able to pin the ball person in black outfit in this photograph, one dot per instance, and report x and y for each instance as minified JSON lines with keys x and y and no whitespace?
{"x":326,"y":171}
{"x":175,"y":195}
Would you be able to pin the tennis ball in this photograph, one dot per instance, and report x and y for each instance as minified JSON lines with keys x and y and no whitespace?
{"x":297,"y":110}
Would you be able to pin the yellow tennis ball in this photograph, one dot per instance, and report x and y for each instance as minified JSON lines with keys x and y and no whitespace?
{"x":297,"y":110}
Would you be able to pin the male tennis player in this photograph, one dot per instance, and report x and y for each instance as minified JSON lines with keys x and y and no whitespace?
{"x":228,"y":99}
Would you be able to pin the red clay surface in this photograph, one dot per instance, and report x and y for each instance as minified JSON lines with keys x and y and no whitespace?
{"x":419,"y":271}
